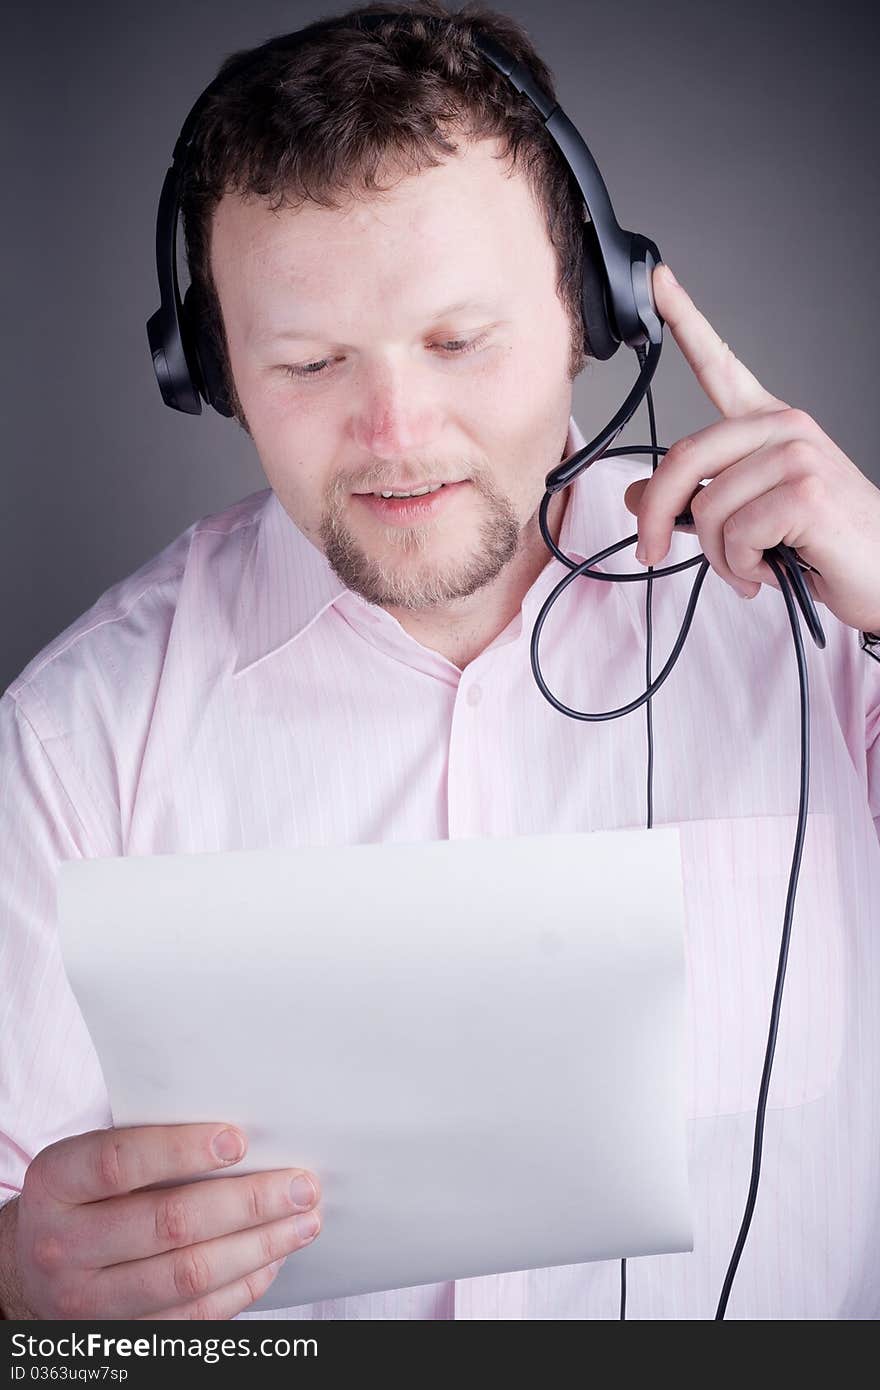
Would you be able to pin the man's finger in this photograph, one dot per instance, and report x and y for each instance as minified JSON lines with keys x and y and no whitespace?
{"x":110,"y":1162}
{"x":225,"y":1303}
{"x":149,"y":1223}
{"x":191,"y":1273}
{"x":726,"y":381}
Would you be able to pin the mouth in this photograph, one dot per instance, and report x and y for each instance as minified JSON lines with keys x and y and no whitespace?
{"x":414,"y":507}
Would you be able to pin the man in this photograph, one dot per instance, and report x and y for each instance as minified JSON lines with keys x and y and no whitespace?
{"x":319,"y":664}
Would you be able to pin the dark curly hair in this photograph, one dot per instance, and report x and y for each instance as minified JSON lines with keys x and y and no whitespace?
{"x":319,"y":123}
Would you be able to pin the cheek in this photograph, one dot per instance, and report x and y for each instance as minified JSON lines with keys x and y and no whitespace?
{"x":534,"y":374}
{"x":294,"y":452}
{"x":531,"y":397}
{"x":499,"y":401}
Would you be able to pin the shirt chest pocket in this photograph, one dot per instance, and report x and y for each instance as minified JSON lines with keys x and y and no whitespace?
{"x":735,"y":876}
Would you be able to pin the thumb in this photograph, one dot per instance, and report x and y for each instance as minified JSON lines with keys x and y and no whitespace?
{"x":633,"y":495}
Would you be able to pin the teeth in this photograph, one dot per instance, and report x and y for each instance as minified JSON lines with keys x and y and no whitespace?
{"x":420,"y":492}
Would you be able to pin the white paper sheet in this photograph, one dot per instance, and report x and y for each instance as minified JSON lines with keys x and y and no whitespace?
{"x":477,"y":1045}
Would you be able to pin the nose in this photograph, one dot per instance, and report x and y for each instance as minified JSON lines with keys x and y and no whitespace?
{"x":394,"y":412}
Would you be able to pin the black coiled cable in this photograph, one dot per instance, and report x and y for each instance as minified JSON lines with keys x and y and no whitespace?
{"x":786,"y":566}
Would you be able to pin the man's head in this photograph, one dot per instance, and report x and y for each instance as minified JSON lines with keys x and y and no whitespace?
{"x":337,"y":209}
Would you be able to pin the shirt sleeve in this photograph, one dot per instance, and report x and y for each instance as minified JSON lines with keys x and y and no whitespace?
{"x":51,"y":1084}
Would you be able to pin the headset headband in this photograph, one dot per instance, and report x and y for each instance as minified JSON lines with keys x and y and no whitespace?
{"x":618,"y":301}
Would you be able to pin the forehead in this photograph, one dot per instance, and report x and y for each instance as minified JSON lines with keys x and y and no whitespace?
{"x":471,"y":212}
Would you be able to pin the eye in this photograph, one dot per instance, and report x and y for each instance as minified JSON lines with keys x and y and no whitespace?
{"x":453,"y":347}
{"x":456,"y":346}
{"x":308,"y":369}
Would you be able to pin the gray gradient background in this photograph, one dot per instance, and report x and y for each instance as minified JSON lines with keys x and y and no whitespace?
{"x":741,"y":138}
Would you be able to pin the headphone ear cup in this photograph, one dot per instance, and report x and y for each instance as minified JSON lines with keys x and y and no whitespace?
{"x":208,"y":370}
{"x":601,"y":340}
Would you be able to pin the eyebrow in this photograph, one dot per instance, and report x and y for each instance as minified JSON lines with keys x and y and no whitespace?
{"x":292,"y":332}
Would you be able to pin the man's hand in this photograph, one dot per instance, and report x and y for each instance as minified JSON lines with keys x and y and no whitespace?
{"x":91,"y":1240}
{"x":776,"y":476}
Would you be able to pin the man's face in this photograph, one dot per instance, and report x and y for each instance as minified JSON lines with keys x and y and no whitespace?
{"x":383,"y":394}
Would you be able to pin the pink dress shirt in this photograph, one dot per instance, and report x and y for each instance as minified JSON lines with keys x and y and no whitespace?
{"x":231,"y":694}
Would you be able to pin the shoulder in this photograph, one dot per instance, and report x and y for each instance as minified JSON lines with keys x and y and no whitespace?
{"x":88,"y":699}
{"x":132,"y":620}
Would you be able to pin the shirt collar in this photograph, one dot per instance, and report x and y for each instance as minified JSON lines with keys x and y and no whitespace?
{"x":287,"y":582}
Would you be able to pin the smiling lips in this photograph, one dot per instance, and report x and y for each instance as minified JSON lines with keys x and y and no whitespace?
{"x":405,"y":490}
{"x":404,"y":509}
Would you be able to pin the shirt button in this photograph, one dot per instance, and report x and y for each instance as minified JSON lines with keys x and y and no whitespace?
{"x":474,"y":695}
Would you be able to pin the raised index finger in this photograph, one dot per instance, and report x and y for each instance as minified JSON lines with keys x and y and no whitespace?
{"x":727,"y":382}
{"x":109,"y":1162}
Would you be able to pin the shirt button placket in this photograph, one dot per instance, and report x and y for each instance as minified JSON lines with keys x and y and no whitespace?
{"x":464,"y":793}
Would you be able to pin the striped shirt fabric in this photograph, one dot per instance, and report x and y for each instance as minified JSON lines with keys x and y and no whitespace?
{"x":232,"y":694}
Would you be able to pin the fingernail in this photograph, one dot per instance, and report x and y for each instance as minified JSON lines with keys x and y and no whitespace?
{"x":640,"y":553}
{"x":307,"y":1225}
{"x":302,"y":1192}
{"x":276,"y":1265}
{"x":227,"y":1145}
{"x":743,"y":592}
{"x":669,"y":275}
